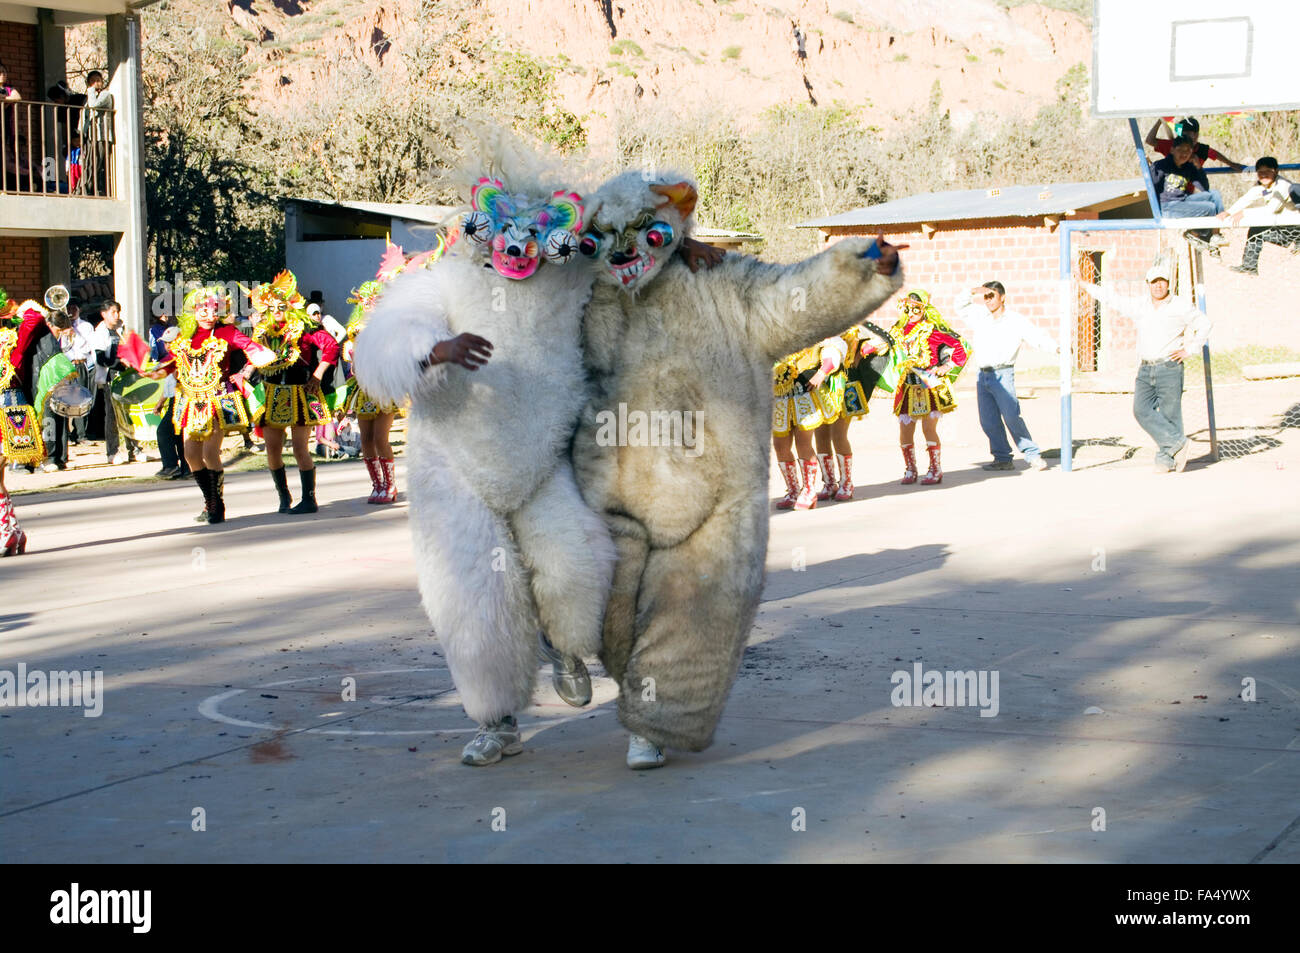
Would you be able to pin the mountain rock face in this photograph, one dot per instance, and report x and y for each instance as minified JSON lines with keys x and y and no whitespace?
{"x":734,"y":57}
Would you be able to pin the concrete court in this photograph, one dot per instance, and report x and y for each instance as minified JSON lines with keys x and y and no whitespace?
{"x":224,"y":650}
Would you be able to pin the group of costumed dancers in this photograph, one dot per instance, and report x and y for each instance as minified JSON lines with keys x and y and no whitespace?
{"x":269,"y":382}
{"x":537,"y":539}
{"x":819,"y":390}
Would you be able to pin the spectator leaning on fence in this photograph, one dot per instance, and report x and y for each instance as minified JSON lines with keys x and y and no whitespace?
{"x":1270,"y":195}
{"x":1169,"y":330}
{"x":996,"y":333}
{"x":6,"y":91}
{"x":96,"y":134}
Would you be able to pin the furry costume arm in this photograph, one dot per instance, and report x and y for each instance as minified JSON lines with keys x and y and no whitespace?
{"x":408,"y":320}
{"x":790,"y":307}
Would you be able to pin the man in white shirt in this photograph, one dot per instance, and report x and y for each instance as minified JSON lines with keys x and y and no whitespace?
{"x":1169,"y":330}
{"x":107,"y":337}
{"x":79,"y":347}
{"x":996,"y":334}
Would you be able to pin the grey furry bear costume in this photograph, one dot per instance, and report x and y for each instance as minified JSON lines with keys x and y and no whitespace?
{"x":690,"y":523}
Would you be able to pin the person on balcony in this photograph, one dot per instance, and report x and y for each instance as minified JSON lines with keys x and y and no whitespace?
{"x":96,"y":134}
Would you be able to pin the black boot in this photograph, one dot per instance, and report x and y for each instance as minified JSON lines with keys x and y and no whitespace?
{"x":282,"y":487}
{"x":201,"y":478}
{"x":308,"y":502}
{"x":217,"y":504}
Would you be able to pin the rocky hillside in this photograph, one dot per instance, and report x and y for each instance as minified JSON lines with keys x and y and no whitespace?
{"x":740,"y":56}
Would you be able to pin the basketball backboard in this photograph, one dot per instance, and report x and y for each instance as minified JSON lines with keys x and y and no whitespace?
{"x":1192,"y":56}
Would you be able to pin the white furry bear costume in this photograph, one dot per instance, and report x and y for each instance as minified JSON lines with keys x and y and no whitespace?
{"x":503,"y":541}
{"x":690,"y":523}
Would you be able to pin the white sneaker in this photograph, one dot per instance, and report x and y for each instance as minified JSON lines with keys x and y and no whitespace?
{"x":642,"y":753}
{"x":1038,"y":463}
{"x":120,"y":458}
{"x":493,"y":741}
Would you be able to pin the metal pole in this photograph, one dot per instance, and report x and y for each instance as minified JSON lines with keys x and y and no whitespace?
{"x":1145,"y":168}
{"x":1203,"y":304}
{"x":1067,"y":349}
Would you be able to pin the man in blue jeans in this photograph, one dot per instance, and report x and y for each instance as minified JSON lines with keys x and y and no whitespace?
{"x":996,"y":334}
{"x":1169,"y":330}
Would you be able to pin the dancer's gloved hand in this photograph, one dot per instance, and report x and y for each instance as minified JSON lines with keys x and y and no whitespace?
{"x":696,"y":254}
{"x":468,"y":350}
{"x":887,"y":263}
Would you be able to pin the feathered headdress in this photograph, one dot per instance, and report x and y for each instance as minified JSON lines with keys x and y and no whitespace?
{"x":928,"y":311}
{"x":283,"y":288}
{"x":8,"y":307}
{"x":187,"y":321}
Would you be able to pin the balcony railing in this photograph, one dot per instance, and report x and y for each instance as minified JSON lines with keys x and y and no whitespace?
{"x":38,"y":155}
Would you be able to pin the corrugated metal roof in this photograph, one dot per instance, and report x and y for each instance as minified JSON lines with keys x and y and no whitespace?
{"x":1015,"y":201}
{"x":430,"y":214}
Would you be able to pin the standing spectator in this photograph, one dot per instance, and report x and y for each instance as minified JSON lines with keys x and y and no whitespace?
{"x":72,"y":164}
{"x":107,"y":337}
{"x":1190,"y":130}
{"x":1169,"y":330}
{"x":171,"y":446}
{"x":996,"y":334}
{"x":96,"y":134}
{"x":8,"y":114}
{"x":7,"y":92}
{"x":1269,"y":195}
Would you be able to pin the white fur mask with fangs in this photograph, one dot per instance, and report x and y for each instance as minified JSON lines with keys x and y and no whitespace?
{"x":635,"y":226}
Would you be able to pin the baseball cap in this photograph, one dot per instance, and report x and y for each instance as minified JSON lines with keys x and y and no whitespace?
{"x":1159,"y":271}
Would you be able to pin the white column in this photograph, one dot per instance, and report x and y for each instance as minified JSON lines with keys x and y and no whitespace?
{"x":130,"y":255}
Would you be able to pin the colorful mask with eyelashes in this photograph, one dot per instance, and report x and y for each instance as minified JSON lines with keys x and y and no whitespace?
{"x":521,"y":231}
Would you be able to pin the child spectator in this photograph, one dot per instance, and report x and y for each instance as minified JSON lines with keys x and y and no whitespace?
{"x":73,"y":162}
{"x":1190,"y":130}
{"x":1270,"y":194}
{"x":349,"y":436}
{"x":1185,"y":192}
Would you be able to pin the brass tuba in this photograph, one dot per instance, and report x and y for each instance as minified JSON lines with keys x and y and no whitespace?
{"x":57,"y":297}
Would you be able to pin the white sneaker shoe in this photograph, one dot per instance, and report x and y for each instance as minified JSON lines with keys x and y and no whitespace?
{"x":642,"y":753}
{"x":493,"y":741}
{"x":1038,"y":463}
{"x":120,"y":458}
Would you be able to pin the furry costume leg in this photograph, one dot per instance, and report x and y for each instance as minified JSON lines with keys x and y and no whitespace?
{"x":568,"y":550}
{"x":620,"y":634}
{"x":695,"y":610}
{"x":475,"y":591}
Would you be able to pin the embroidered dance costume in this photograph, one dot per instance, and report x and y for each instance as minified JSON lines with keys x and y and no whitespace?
{"x":796,"y":405}
{"x":20,"y":423}
{"x":922,"y":341}
{"x":283,"y":326}
{"x":281,"y":398}
{"x":20,"y":427}
{"x":207,"y":400}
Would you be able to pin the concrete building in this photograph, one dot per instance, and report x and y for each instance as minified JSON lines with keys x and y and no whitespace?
{"x":332,"y":247}
{"x":39,"y":207}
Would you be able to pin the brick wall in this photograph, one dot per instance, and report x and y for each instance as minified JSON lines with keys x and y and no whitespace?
{"x":18,"y":53}
{"x":20,"y":267}
{"x":1026,"y":259}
